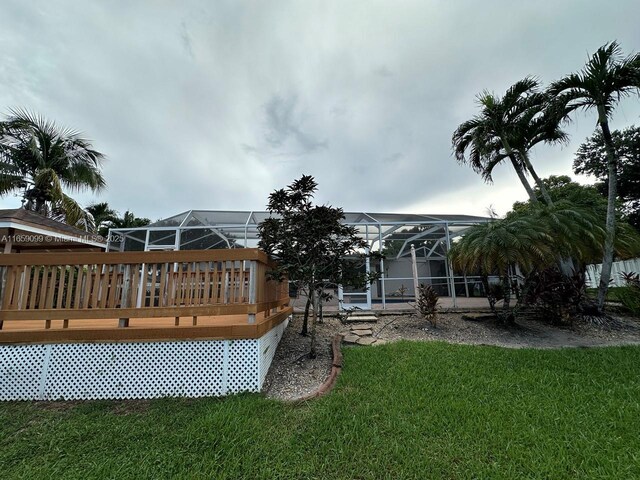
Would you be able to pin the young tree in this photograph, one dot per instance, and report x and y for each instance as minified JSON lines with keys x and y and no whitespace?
{"x":605,"y":79}
{"x":41,"y":159}
{"x":312,"y":246}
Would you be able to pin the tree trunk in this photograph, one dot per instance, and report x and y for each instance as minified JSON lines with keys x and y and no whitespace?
{"x":536,"y":178}
{"x":305,"y":320}
{"x":519,"y":171}
{"x":314,"y":315}
{"x":506,"y":292}
{"x":566,"y":265}
{"x":490,"y":297}
{"x":609,"y":243}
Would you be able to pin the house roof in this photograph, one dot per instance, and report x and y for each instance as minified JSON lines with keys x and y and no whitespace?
{"x":30,"y":230}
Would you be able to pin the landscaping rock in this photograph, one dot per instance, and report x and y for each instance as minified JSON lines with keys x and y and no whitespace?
{"x":360,"y":327}
{"x":351,"y":339}
{"x":380,"y":341}
{"x":366,"y":341}
{"x":362,"y":333}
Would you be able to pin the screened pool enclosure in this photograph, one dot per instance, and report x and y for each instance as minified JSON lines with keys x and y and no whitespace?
{"x":389,"y":233}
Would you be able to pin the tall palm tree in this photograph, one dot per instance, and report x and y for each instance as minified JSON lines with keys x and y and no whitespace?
{"x":41,"y":160}
{"x":606,"y":78}
{"x":508,"y":128}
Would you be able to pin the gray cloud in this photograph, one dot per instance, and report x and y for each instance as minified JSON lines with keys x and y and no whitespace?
{"x":213,"y":105}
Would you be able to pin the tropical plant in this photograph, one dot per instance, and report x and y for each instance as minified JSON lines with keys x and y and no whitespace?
{"x":606,"y":78}
{"x":40,"y":160}
{"x":427,"y":303}
{"x":508,"y":128}
{"x":500,"y":246}
{"x":312,"y":246}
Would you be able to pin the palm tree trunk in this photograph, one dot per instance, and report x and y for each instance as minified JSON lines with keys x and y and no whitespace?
{"x":537,"y":179}
{"x":612,"y":164}
{"x":519,"y":171}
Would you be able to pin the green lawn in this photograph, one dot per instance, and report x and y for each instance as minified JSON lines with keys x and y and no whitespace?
{"x":405,"y":410}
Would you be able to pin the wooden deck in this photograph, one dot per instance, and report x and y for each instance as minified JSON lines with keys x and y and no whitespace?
{"x":213,"y":294}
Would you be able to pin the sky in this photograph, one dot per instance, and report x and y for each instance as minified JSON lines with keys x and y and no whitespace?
{"x":214,"y":104}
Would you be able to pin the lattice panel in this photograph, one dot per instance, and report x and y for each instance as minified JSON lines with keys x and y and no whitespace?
{"x":243,"y":366}
{"x":267,"y":345}
{"x":20,"y":371}
{"x":136,"y":370}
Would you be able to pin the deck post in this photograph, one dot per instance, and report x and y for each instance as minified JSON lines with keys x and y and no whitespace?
{"x":252,"y":288}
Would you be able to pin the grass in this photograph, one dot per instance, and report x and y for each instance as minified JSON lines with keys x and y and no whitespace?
{"x":404,"y":410}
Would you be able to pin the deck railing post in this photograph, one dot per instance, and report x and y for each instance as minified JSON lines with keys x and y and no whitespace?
{"x":253,"y":270}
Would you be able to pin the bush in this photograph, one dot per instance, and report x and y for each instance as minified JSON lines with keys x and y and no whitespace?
{"x":427,"y":302}
{"x":629,"y":296}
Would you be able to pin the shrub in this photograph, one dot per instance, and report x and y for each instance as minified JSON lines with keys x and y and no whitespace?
{"x":427,"y":303}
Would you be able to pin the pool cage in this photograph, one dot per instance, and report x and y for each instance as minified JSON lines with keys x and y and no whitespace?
{"x":389,"y":233}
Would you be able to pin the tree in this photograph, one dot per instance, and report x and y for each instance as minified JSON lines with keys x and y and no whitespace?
{"x":591,"y":159}
{"x":498,"y":246}
{"x":508,"y":128}
{"x":606,"y":78}
{"x":41,"y":160}
{"x":103,"y":215}
{"x":128,"y":220}
{"x":312,"y":246}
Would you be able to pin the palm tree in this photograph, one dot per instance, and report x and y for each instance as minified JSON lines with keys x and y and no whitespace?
{"x":508,"y":128}
{"x":498,"y":246}
{"x":103,"y":215}
{"x":41,"y":160}
{"x":128,"y":220}
{"x":605,"y":79}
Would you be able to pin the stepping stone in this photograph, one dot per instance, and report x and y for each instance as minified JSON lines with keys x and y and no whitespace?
{"x":362,"y":333}
{"x":361,"y":318}
{"x":366,"y":341}
{"x":380,"y":341}
{"x":360,"y":327}
{"x":351,"y":339}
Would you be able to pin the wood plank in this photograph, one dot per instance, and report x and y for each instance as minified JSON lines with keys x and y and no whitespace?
{"x":42,"y":296}
{"x":35,"y":286}
{"x":199,"y":285}
{"x":171,"y":294}
{"x":104,"y":286}
{"x":201,"y":332}
{"x":232,"y":286}
{"x":51,"y":288}
{"x":152,"y":284}
{"x":115,"y":258}
{"x":135,"y":285}
{"x":206,"y":284}
{"x":223,"y":283}
{"x":163,"y":283}
{"x":61,"y":286}
{"x":7,"y":297}
{"x":86,"y":288}
{"x":71,"y":282}
{"x":142,"y":312}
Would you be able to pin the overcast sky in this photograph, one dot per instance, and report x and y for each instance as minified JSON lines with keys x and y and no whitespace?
{"x":213,"y":104}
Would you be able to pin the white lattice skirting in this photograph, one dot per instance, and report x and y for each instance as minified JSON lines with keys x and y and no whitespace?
{"x":83,"y":371}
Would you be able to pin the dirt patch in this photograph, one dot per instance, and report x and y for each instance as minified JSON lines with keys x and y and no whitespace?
{"x":293,"y":374}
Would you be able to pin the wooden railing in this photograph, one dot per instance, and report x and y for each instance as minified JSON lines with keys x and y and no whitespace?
{"x":124,"y":285}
